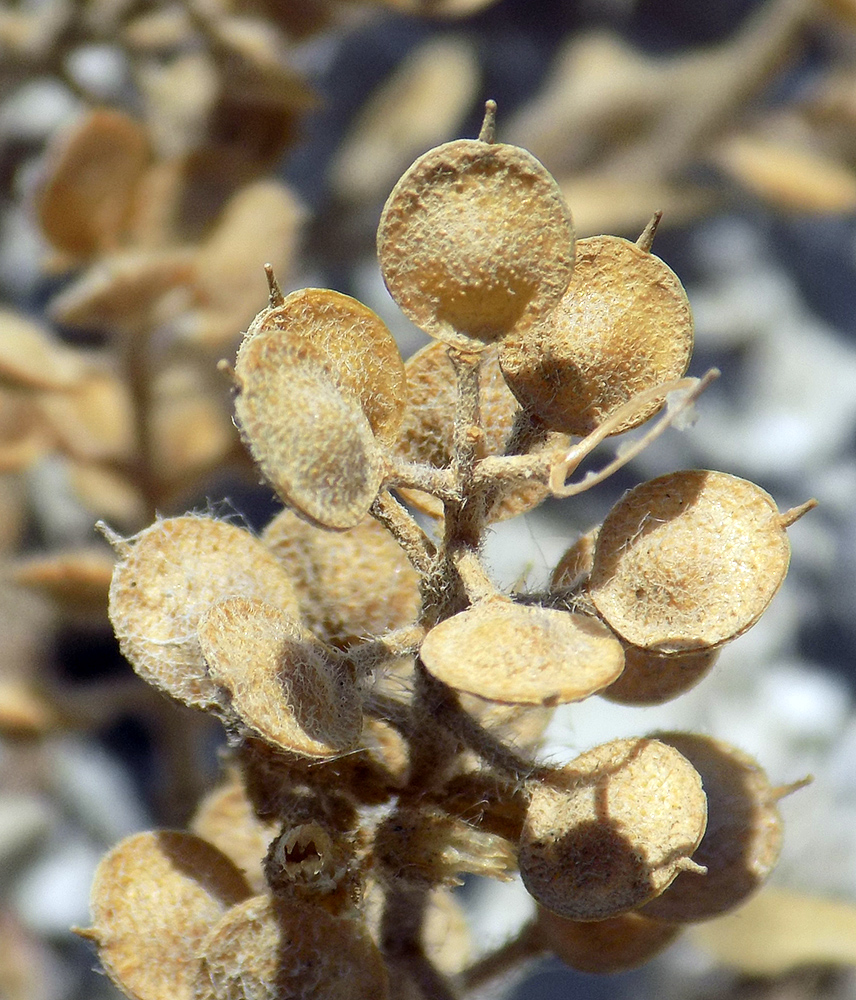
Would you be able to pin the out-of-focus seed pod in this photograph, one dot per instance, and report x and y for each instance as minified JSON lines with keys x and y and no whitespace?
{"x":427,"y":428}
{"x":167,"y":578}
{"x":688,"y":561}
{"x":359,"y":351}
{"x":350,"y":584}
{"x":523,"y":655}
{"x":310,"y":437}
{"x":612,"y":829}
{"x":31,"y":358}
{"x":616,"y":944}
{"x":475,"y":240}
{"x":624,"y":325}
{"x":654,"y":678}
{"x":154,"y":898}
{"x":266,"y":949}
{"x":743,"y":838}
{"x":279,"y":681}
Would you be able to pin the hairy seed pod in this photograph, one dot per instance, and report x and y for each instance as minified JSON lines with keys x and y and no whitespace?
{"x":475,"y":240}
{"x":612,"y":829}
{"x":744,"y":832}
{"x":523,"y":655}
{"x":624,"y":325}
{"x":688,"y":561}
{"x":654,"y":678}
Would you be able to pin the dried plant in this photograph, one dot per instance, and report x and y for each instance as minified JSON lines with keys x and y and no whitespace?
{"x":383,"y":699}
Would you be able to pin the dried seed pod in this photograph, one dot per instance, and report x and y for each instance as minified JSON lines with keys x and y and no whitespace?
{"x":624,"y":325}
{"x":575,"y":565}
{"x":78,"y":580}
{"x":166,"y":579}
{"x":358,"y":350}
{"x":523,"y":655}
{"x":744,"y":832}
{"x":154,"y":898}
{"x":311,"y":439}
{"x":612,"y":829}
{"x":350,"y":584}
{"x":605,"y":947}
{"x":279,"y":681}
{"x":31,"y":358}
{"x":475,"y":240}
{"x":688,"y":561}
{"x":427,"y":428}
{"x":94,"y":421}
{"x":266,"y":949}
{"x":652,"y":678}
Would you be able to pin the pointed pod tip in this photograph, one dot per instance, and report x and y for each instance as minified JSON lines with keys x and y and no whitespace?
{"x":646,"y":239}
{"x":275,"y":297}
{"x":488,"y":129}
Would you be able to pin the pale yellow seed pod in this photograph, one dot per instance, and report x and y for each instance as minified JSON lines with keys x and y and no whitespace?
{"x":475,"y":240}
{"x":154,"y":898}
{"x":743,"y":838}
{"x":654,"y":678}
{"x":167,"y":578}
{"x":310,"y":437}
{"x":688,"y":561}
{"x":624,"y":325}
{"x":279,"y":681}
{"x":265,"y":949}
{"x":612,"y":829}
{"x":575,"y":565}
{"x":523,"y":655}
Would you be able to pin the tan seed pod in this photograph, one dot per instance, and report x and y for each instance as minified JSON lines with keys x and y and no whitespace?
{"x":350,"y":584}
{"x":264,"y":949}
{"x":688,"y":561}
{"x":743,"y":838}
{"x":475,"y":240}
{"x":523,"y":655}
{"x":426,"y":434}
{"x":575,"y":565}
{"x":167,"y":578}
{"x":605,"y":947}
{"x":612,"y":829}
{"x":154,"y":898}
{"x":624,"y":325}
{"x":78,"y":580}
{"x":654,"y":678}
{"x":358,"y":350}
{"x":94,"y":421}
{"x":279,"y":681}
{"x":311,"y":439}
{"x":31,"y":358}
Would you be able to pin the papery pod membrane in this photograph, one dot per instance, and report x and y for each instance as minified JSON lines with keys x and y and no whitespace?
{"x":31,"y":358}
{"x":475,"y":240}
{"x":350,"y":584}
{"x":264,"y":949}
{"x":167,"y":578}
{"x":358,"y":350}
{"x":279,"y":681}
{"x":688,"y":561}
{"x":744,"y":832}
{"x":624,"y":325}
{"x":311,"y":439}
{"x":427,"y":429}
{"x":155,"y":896}
{"x":612,"y":829}
{"x":523,"y":655}
{"x":576,"y":564}
{"x":605,"y":947}
{"x":652,"y":678}
{"x":521,"y":725}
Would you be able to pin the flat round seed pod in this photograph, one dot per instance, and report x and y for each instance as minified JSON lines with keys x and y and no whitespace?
{"x":688,"y":561}
{"x":154,"y":898}
{"x":475,"y":240}
{"x":744,"y":832}
{"x":168,"y":576}
{"x":265,"y":949}
{"x":427,"y":429}
{"x":523,"y":655}
{"x":605,"y":947}
{"x":624,"y":325}
{"x":612,"y":829}
{"x":350,"y":584}
{"x":654,"y":678}
{"x":311,"y":439}
{"x":279,"y":681}
{"x":357,"y":347}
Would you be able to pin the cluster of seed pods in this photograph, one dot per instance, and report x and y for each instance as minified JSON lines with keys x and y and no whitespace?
{"x":382,"y":698}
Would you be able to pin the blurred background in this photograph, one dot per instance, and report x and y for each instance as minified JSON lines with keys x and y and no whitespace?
{"x":154,"y":155}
